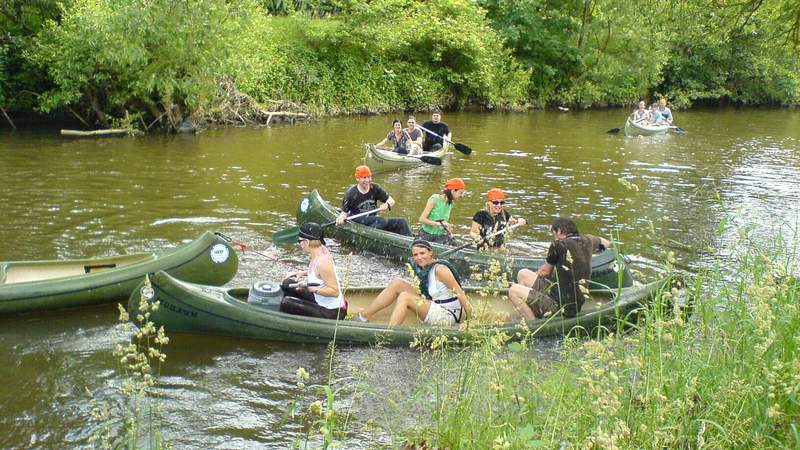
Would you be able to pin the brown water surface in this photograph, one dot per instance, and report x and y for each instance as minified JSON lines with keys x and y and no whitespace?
{"x":64,"y":198}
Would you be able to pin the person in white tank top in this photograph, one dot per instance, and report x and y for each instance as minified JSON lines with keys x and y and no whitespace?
{"x":444,"y":301}
{"x":319,"y":293}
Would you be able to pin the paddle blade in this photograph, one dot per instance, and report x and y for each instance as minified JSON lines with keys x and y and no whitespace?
{"x":678,"y":130}
{"x":462,"y":148}
{"x":431,"y":160}
{"x":286,"y":237}
{"x":614,"y":131}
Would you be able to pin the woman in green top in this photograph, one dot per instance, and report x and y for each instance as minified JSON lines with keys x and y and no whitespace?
{"x":434,"y":218}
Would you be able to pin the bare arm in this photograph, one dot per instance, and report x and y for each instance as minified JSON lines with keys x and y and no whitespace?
{"x":475,"y":231}
{"x":545,"y":270}
{"x":423,"y":218}
{"x":389,"y":204}
{"x":444,"y":275}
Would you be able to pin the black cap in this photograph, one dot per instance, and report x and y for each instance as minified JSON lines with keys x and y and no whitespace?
{"x":436,"y":111}
{"x":312,"y":231}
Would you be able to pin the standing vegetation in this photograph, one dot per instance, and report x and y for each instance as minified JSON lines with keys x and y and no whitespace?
{"x":140,"y":64}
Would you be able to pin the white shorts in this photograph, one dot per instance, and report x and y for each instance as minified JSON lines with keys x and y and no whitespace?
{"x":443,"y":313}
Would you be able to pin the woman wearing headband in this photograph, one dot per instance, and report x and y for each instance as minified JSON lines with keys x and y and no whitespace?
{"x":444,"y":302}
{"x":319,"y":293}
{"x":434,"y":218}
{"x":491,"y":220}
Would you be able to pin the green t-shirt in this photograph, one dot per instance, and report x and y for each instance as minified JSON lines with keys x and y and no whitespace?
{"x":441,"y":211}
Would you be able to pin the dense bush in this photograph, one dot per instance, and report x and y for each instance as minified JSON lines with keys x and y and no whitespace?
{"x":139,"y":62}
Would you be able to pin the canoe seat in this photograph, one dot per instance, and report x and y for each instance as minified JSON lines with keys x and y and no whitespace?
{"x":92,"y":268}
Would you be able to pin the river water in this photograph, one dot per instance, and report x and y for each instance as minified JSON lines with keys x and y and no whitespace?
{"x":65,"y":198}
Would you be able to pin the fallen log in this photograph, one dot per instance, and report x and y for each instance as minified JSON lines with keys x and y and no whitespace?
{"x":96,"y":133}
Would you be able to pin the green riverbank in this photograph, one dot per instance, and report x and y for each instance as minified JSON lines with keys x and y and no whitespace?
{"x":726,"y":377}
{"x":144,"y":64}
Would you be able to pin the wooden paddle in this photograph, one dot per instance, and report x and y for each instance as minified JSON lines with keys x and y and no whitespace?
{"x":435,"y":160}
{"x":483,"y":239}
{"x":289,"y":235}
{"x":459,"y":146}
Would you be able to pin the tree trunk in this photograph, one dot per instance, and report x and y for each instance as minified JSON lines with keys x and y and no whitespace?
{"x":587,"y":12}
{"x":10,"y":122}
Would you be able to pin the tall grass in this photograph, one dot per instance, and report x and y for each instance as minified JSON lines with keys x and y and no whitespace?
{"x":133,"y":420}
{"x":728,"y":377}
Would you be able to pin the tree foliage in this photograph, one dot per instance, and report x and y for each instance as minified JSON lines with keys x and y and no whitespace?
{"x":111,"y":61}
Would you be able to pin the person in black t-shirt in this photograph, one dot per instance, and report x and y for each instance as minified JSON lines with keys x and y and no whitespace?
{"x":492,"y":219}
{"x":559,"y":284}
{"x":431,"y":142}
{"x":364,"y":196}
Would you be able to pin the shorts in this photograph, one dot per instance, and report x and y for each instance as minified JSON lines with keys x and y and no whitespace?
{"x":446,"y":313}
{"x":540,"y":301}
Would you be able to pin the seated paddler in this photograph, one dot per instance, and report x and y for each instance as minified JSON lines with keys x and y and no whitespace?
{"x":491,"y":220}
{"x":367,"y":196}
{"x":316,"y":291}
{"x":560,"y":285}
{"x":443,"y":301}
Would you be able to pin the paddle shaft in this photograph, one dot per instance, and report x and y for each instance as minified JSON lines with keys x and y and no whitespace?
{"x":354,"y":216}
{"x":465,"y":149}
{"x":483,"y":239}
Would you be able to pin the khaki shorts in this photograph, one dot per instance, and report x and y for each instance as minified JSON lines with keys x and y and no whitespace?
{"x":446,"y":314}
{"x":540,"y":301}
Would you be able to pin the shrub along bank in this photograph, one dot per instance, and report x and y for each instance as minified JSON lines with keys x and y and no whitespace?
{"x":146,"y":63}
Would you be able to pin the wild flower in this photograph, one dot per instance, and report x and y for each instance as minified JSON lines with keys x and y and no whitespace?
{"x":137,"y":355}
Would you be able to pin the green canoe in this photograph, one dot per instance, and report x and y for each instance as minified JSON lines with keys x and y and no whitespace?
{"x":45,"y":285}
{"x":637,"y":129}
{"x":380,"y":160}
{"x":192,"y":308}
{"x":605,"y":265}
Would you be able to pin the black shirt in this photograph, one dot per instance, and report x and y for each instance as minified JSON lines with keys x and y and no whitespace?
{"x":492,"y":224}
{"x":354,"y":202}
{"x":572,"y":260}
{"x":440,"y":128}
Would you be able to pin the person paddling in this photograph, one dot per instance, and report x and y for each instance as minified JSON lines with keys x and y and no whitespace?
{"x":444,"y":301}
{"x":319,"y":293}
{"x":398,"y":137}
{"x":364,"y":196}
{"x":431,"y":142}
{"x":434,"y":218}
{"x":492,"y":219}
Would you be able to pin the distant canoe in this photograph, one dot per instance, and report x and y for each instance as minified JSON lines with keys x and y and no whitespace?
{"x":196,"y":309}
{"x":379,"y":159}
{"x":44,"y":285}
{"x":639,"y":129}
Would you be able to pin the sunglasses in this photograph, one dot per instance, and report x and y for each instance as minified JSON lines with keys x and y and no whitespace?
{"x":301,"y":240}
{"x":498,"y":202}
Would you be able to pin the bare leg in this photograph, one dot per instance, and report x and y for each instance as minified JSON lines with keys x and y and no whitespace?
{"x":406,"y":301}
{"x":387,"y":297}
{"x":518,"y":294}
{"x":526,"y":277}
